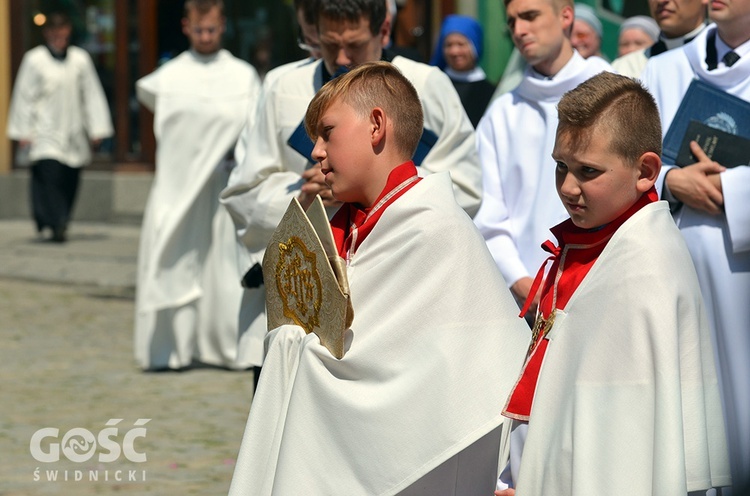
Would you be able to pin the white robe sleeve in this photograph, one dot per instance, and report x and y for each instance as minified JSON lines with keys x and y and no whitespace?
{"x":454,"y":151}
{"x":25,"y":93}
{"x":735,"y":184}
{"x":260,"y":188}
{"x":97,"y":118}
{"x":146,"y":90}
{"x":493,"y":218}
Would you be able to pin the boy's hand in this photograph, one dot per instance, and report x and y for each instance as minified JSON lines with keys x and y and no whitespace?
{"x":698,"y":185}
{"x":315,"y":184}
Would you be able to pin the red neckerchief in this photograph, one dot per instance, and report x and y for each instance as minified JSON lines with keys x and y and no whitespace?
{"x":351,"y":224}
{"x":577,"y":251}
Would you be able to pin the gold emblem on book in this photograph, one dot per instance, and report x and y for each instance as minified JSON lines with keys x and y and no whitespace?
{"x":307,"y":281}
{"x":299,"y":285}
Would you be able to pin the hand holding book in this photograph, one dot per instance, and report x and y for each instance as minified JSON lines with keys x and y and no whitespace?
{"x":698,"y":185}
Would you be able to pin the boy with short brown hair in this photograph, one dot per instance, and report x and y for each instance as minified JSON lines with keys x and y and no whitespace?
{"x":412,"y":407}
{"x":619,"y":392}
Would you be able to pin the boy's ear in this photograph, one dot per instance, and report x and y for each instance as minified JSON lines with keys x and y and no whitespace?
{"x":649,"y":166}
{"x":377,"y":126}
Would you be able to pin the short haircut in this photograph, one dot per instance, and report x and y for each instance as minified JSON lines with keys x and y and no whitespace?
{"x":203,"y":6}
{"x":556,"y":4}
{"x":370,"y":85}
{"x":308,"y":10}
{"x":617,"y":105}
{"x":353,"y":11}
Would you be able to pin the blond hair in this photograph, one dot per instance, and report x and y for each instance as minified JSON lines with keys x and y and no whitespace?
{"x":617,"y":105}
{"x":370,"y":85}
{"x":557,"y":5}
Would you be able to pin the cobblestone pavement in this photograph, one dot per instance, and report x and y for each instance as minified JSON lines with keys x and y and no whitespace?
{"x":66,"y":362}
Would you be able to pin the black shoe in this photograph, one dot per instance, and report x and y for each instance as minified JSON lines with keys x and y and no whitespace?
{"x":58,"y":235}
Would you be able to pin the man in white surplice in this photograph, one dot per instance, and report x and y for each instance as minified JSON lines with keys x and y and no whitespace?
{"x":261,"y":187}
{"x":58,"y":107}
{"x":515,"y":138}
{"x":187,"y":304}
{"x":714,"y":211}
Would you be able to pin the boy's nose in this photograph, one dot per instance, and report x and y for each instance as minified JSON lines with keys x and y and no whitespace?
{"x":319,"y":153}
{"x":568,"y":186}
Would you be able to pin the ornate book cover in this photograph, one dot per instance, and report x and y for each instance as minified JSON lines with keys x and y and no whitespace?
{"x":305,"y":279}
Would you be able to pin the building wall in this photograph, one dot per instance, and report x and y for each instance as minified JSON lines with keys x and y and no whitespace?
{"x":5,"y":85}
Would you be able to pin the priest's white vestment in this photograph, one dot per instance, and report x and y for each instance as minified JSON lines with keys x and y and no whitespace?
{"x":514,"y":140}
{"x":719,"y":245}
{"x":627,"y":400}
{"x":434,"y":348}
{"x":188,"y":294}
{"x":261,"y":186}
{"x":59,"y":106}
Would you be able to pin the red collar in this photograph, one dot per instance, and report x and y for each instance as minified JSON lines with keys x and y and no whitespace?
{"x":568,"y":233}
{"x":583,"y":247}
{"x":352,"y":224}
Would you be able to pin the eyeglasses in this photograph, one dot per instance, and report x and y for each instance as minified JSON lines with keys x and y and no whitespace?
{"x":306,"y":45}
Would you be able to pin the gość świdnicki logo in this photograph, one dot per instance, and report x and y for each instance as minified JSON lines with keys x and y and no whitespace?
{"x":80,"y":445}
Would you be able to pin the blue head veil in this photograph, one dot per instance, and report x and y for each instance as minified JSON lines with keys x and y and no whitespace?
{"x":464,"y":25}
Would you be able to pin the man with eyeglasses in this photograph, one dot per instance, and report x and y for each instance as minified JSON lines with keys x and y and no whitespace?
{"x":278,"y":167}
{"x":185,"y":310}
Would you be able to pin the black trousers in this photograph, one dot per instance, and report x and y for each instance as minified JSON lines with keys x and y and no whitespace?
{"x":53,"y":191}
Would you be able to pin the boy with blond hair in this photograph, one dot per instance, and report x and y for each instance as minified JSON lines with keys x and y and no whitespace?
{"x":411,"y":408}
{"x":619,"y":392}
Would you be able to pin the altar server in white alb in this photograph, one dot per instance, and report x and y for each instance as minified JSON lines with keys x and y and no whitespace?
{"x":278,"y":165}
{"x":413,"y":407}
{"x":187,"y":299}
{"x":714,"y":208}
{"x":619,"y":390}
{"x":58,"y":110}
{"x":515,"y":138}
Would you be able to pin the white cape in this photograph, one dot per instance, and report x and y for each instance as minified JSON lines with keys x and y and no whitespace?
{"x":188,"y":251}
{"x":627,"y":400}
{"x":261,"y":186}
{"x":434,"y":349}
{"x":719,"y":245}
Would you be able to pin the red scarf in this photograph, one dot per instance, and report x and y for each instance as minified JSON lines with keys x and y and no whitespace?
{"x":351,"y":224}
{"x":577,"y":251}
